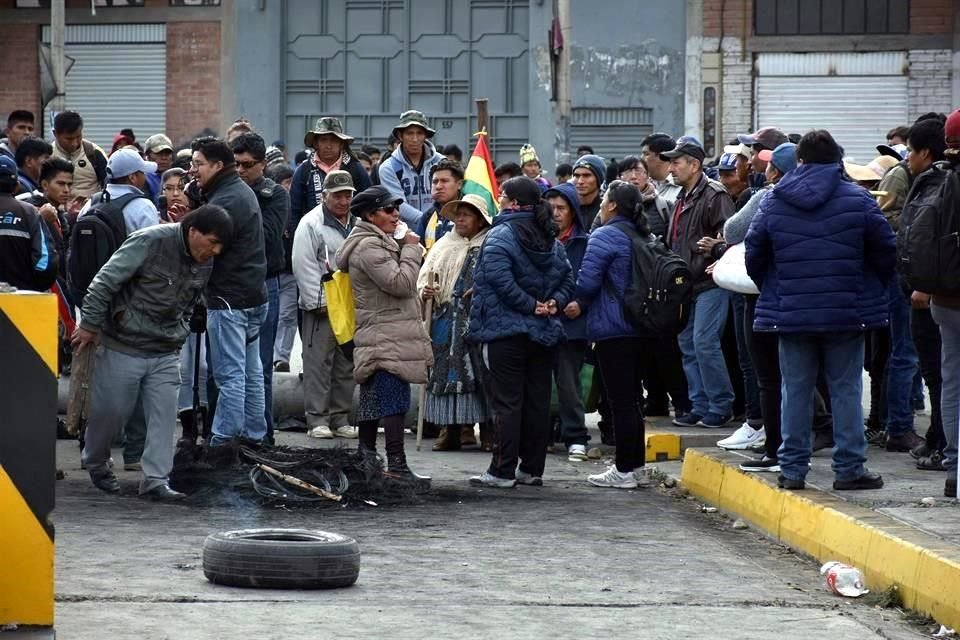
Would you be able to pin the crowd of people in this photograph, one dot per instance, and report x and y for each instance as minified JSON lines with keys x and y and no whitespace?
{"x":798,"y":276}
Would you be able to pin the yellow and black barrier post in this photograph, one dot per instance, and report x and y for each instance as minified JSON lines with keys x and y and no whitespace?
{"x":28,"y":418}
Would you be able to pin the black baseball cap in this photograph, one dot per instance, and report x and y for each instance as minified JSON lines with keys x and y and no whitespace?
{"x":371,"y":199}
{"x":686,"y":146}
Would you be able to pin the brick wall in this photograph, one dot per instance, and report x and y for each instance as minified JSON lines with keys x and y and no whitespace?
{"x":930,"y":84}
{"x":193,"y":79}
{"x":932,"y":16}
{"x":21,"y":86}
{"x":737,"y":18}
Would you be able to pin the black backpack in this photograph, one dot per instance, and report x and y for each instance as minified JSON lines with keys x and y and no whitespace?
{"x":95,"y":236}
{"x":928,"y":246}
{"x":657,"y":300}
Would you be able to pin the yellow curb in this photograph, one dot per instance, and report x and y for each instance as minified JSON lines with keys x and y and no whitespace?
{"x":925,"y":569}
{"x":662,"y":446}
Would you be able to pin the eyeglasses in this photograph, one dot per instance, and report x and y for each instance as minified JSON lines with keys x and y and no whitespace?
{"x":389,"y":208}
{"x":248,"y":164}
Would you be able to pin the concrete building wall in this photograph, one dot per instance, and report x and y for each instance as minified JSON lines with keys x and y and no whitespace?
{"x":930,"y":84}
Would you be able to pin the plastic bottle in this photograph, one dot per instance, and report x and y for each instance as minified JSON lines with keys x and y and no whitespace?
{"x":843,"y":579}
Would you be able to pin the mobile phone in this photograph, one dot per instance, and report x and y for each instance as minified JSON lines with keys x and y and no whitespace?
{"x":162,"y":206}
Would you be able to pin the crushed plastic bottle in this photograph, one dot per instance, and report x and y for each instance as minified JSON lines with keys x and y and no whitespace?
{"x":843,"y":580}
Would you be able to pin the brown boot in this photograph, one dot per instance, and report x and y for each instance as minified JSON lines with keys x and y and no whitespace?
{"x":448,"y":440}
{"x":467,"y":437}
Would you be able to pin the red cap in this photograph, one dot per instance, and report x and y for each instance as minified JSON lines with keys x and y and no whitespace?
{"x":951,"y":130}
{"x":766,"y":155}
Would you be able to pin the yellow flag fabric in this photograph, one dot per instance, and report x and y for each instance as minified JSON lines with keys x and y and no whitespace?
{"x":479,"y":179}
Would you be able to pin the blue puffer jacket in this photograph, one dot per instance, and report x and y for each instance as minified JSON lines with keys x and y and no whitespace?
{"x":821,"y":253}
{"x":575,"y":247}
{"x":607,"y":262}
{"x":518,"y":266}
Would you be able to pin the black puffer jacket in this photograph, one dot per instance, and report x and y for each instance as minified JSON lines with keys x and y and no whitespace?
{"x":240,"y":271}
{"x":274,"y":209}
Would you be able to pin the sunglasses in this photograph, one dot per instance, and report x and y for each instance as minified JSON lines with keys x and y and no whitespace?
{"x":389,"y":208}
{"x":249,"y":164}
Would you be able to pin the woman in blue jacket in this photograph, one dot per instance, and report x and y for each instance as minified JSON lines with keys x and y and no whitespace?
{"x":604,"y":276}
{"x":522,"y":280}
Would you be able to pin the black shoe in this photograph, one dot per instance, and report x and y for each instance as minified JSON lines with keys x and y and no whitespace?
{"x":771,"y":465}
{"x":822,"y":440}
{"x":163,"y":493}
{"x":950,"y":487}
{"x":933,"y":462}
{"x":281,"y":367}
{"x":397,"y":469}
{"x":869,"y":480}
{"x":922,"y":451}
{"x":105,"y":481}
{"x":906,"y":442}
{"x":787,"y":483}
{"x":876,"y":436}
{"x":687,"y":419}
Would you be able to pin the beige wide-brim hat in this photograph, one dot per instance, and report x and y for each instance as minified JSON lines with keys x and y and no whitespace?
{"x":860,"y":173}
{"x":449,"y":210}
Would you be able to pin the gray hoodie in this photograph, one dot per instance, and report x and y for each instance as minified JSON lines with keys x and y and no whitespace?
{"x":405,"y":181}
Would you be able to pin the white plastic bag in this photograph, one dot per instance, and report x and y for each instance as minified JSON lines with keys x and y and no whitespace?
{"x":730,"y":272}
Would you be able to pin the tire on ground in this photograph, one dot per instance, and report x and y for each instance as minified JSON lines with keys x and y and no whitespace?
{"x":281,"y":559}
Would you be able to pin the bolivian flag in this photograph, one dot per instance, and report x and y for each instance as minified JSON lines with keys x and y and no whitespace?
{"x":479,"y":179}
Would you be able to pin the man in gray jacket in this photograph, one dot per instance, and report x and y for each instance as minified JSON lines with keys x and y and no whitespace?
{"x":139,"y":305}
{"x":236,"y":299}
{"x":327,"y":373}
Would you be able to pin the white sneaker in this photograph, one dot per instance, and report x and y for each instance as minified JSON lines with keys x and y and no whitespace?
{"x":525,"y":478}
{"x":322,"y":431}
{"x":744,"y":438}
{"x":577,"y":453}
{"x":346,"y":431}
{"x":613,"y":478}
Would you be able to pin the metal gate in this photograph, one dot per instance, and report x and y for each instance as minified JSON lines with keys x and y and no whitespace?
{"x":118,"y":80}
{"x":858,"y":97}
{"x":366,"y":61}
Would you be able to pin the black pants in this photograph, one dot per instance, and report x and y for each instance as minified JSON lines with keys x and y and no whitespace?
{"x":620,"y":361}
{"x":662,"y":369}
{"x":728,"y":343}
{"x":518,"y":391}
{"x":926,"y":339}
{"x":876,"y":353}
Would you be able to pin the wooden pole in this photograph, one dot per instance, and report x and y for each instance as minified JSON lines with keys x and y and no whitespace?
{"x":297,"y":482}
{"x":434,"y":281}
{"x":483,"y":116}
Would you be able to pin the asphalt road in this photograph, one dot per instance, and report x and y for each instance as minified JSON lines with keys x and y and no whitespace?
{"x":562,"y":561}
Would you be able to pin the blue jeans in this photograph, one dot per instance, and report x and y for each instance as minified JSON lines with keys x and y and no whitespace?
{"x":949,"y":322}
{"x":235,"y":355}
{"x":268,"y":334}
{"x":902,"y":365}
{"x":750,"y":386}
{"x":708,"y":383}
{"x":802,"y":356}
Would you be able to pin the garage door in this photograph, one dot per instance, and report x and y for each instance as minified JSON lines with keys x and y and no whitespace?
{"x":118,"y":79}
{"x":858,"y":97}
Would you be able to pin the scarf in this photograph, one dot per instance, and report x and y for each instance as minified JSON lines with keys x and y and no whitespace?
{"x":446,"y":259}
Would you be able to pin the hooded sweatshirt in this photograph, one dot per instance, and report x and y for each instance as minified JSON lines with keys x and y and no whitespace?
{"x":575,"y":246}
{"x":409,"y":182}
{"x":518,"y":266}
{"x":821,"y":253}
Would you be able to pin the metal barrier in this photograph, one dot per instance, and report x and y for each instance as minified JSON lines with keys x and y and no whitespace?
{"x":28,"y":418}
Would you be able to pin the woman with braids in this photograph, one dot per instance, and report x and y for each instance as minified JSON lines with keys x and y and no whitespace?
{"x":604,"y":276}
{"x":521,"y":281}
{"x":454,"y":398}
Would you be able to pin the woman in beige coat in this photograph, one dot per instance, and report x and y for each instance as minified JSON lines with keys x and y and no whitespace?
{"x":392,"y":348}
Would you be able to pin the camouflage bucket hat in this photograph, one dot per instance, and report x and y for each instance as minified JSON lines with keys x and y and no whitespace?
{"x":327,"y":125}
{"x":413,"y":118}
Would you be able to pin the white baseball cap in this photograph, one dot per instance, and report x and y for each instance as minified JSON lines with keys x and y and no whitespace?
{"x":125,"y":162}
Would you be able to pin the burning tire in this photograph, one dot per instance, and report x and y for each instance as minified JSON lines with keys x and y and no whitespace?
{"x":281,"y":559}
